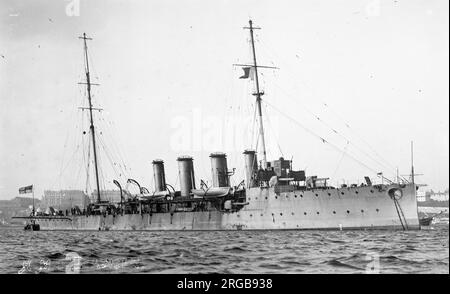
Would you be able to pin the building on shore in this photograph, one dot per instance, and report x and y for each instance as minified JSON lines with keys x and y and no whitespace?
{"x":18,"y":206}
{"x":432,"y":199}
{"x":18,"y":203}
{"x":438,"y":196}
{"x":109,"y":195}
{"x":421,"y":196}
{"x":65,"y":199}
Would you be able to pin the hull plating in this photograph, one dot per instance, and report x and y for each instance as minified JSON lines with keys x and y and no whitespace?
{"x":345,"y":208}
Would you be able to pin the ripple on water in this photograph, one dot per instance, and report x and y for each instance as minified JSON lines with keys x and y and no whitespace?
{"x":338,"y":263}
{"x":229,"y":252}
{"x":235,"y":249}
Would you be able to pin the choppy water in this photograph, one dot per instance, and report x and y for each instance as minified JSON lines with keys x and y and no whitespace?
{"x":425,"y":251}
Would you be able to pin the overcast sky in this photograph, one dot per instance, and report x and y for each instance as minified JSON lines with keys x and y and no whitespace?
{"x":368,"y":77}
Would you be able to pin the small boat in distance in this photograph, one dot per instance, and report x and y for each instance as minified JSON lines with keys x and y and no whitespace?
{"x":32,"y":226}
{"x":427,"y":220}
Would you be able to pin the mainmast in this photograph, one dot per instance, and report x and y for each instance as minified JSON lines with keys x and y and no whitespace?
{"x":88,"y":85}
{"x":258,"y":95}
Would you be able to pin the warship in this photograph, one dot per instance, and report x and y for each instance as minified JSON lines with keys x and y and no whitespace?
{"x":273,"y":196}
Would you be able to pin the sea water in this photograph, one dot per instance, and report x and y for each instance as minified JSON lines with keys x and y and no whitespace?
{"x":424,"y":251}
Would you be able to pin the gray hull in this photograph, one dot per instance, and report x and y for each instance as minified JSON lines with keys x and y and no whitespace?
{"x":346,"y":208}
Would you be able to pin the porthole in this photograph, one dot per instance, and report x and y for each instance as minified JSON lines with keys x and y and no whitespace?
{"x":249,"y":198}
{"x":261,"y":214}
{"x":276,"y":197}
{"x":342,"y":193}
{"x":251,"y":215}
{"x":295,"y":196}
{"x":301,"y":195}
{"x":292,"y":213}
{"x":266,"y":198}
{"x":334,"y":212}
{"x":287,"y":196}
{"x":371,"y":191}
{"x":304,"y":213}
{"x":329,"y":194}
{"x":281,"y":214}
{"x":317,"y":195}
{"x":318,"y":212}
{"x":377,"y":210}
{"x":356,"y":192}
{"x":256,"y":198}
{"x":348,"y":211}
{"x":362,"y":210}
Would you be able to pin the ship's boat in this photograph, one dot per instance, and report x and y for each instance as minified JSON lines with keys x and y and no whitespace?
{"x":425,"y":221}
{"x":212,"y":192}
{"x":32,"y":227}
{"x":273,"y":196}
{"x":155,"y":196}
{"x":428,"y":220}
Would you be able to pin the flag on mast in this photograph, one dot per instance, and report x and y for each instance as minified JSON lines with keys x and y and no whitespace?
{"x":248,"y":73}
{"x":27,"y":189}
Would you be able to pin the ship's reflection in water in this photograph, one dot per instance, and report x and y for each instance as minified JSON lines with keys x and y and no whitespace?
{"x":425,"y":251}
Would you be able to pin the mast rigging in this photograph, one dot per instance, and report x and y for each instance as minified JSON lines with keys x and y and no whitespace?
{"x":258,"y":95}
{"x":92,"y":128}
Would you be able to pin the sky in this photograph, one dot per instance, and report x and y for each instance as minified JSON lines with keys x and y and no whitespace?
{"x":356,"y":82}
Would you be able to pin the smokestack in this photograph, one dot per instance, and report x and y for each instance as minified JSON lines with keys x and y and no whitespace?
{"x":159,"y":176}
{"x":219,"y":169}
{"x":251,"y":167}
{"x":186,"y":172}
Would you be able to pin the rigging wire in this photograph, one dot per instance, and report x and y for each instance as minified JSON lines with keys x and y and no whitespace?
{"x":110,"y":130}
{"x":227,"y":109}
{"x":88,"y":161}
{"x":271,"y":128}
{"x":319,"y":137}
{"x":253,"y":126}
{"x":340,"y":160}
{"x":332,"y":129}
{"x":68,"y":138}
{"x":120,"y":173}
{"x":230,"y":111}
{"x":112,"y":153}
{"x":82,"y":152}
{"x":358,"y":136}
{"x":268,"y":48}
{"x":70,"y":160}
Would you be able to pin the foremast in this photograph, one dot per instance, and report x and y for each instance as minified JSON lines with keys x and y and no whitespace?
{"x":92,"y":128}
{"x":258,"y":95}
